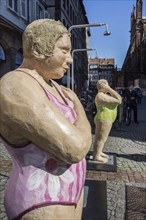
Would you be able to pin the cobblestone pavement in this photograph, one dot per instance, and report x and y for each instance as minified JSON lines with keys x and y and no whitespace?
{"x":128,"y":144}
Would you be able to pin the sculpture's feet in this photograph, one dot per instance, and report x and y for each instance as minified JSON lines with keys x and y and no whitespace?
{"x":104,"y":155}
{"x":100,"y":159}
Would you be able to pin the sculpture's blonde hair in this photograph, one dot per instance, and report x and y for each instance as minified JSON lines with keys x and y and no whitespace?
{"x":100,"y":82}
{"x":41,"y":36}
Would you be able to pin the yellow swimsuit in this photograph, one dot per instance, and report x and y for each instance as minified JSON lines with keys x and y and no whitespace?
{"x":105,"y":113}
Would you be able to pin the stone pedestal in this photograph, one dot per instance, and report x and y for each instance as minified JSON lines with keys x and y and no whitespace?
{"x":110,"y":166}
{"x":95,"y":200}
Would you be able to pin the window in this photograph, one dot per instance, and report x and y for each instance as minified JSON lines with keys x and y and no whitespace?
{"x":2,"y":54}
{"x":20,"y":7}
{"x":13,"y":5}
{"x":23,"y":8}
{"x":64,"y":4}
{"x":46,"y":14}
{"x":41,"y":12}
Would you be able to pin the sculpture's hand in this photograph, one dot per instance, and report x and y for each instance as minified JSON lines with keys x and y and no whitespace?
{"x":105,"y":87}
{"x":114,"y":97}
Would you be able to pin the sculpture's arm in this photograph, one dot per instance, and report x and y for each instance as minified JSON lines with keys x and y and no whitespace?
{"x":107,"y":100}
{"x":27,"y":111}
{"x":81,"y":123}
{"x":103,"y":98}
{"x":115,"y":95}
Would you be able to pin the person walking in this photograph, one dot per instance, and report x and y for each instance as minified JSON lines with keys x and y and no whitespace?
{"x":130,"y":97}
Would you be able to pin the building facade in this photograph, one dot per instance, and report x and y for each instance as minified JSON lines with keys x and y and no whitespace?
{"x":15,"y":15}
{"x":134,"y":66}
{"x":101,"y":68}
{"x":119,"y":78}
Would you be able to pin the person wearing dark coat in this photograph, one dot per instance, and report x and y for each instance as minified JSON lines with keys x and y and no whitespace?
{"x":130,"y":97}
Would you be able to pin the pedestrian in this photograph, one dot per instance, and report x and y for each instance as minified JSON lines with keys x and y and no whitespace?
{"x":106,"y":102}
{"x":139,"y":96}
{"x":44,"y":128}
{"x":130,"y":98}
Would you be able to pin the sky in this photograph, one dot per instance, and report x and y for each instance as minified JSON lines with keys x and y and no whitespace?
{"x":115,"y":13}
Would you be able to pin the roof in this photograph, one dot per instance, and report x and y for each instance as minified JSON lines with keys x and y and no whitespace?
{"x":103,"y":61}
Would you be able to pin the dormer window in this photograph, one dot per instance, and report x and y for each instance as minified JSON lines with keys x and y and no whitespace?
{"x":19,"y":7}
{"x":23,"y":8}
{"x":40,"y":11}
{"x":13,"y":5}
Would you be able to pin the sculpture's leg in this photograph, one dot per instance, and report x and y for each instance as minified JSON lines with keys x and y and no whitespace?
{"x":101,"y":134}
{"x":79,"y":208}
{"x":97,"y":152}
{"x":56,"y":212}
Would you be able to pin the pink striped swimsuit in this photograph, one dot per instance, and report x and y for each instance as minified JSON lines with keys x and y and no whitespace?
{"x":38,"y":179}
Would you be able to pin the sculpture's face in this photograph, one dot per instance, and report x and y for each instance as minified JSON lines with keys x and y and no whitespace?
{"x":101,"y":85}
{"x":58,"y":64}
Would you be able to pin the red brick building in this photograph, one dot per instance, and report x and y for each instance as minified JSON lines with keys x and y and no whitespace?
{"x":134,"y":66}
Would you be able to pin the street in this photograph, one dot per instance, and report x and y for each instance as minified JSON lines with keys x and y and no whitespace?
{"x":128,"y":144}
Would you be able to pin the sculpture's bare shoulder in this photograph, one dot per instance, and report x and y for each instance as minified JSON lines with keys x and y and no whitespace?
{"x":20,"y":86}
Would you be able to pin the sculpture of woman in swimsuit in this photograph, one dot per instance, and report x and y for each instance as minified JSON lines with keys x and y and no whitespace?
{"x":44,"y":128}
{"x":106,"y":102}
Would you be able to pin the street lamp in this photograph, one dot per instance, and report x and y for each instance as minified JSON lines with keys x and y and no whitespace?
{"x":106,"y":33}
{"x":72,"y":72}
